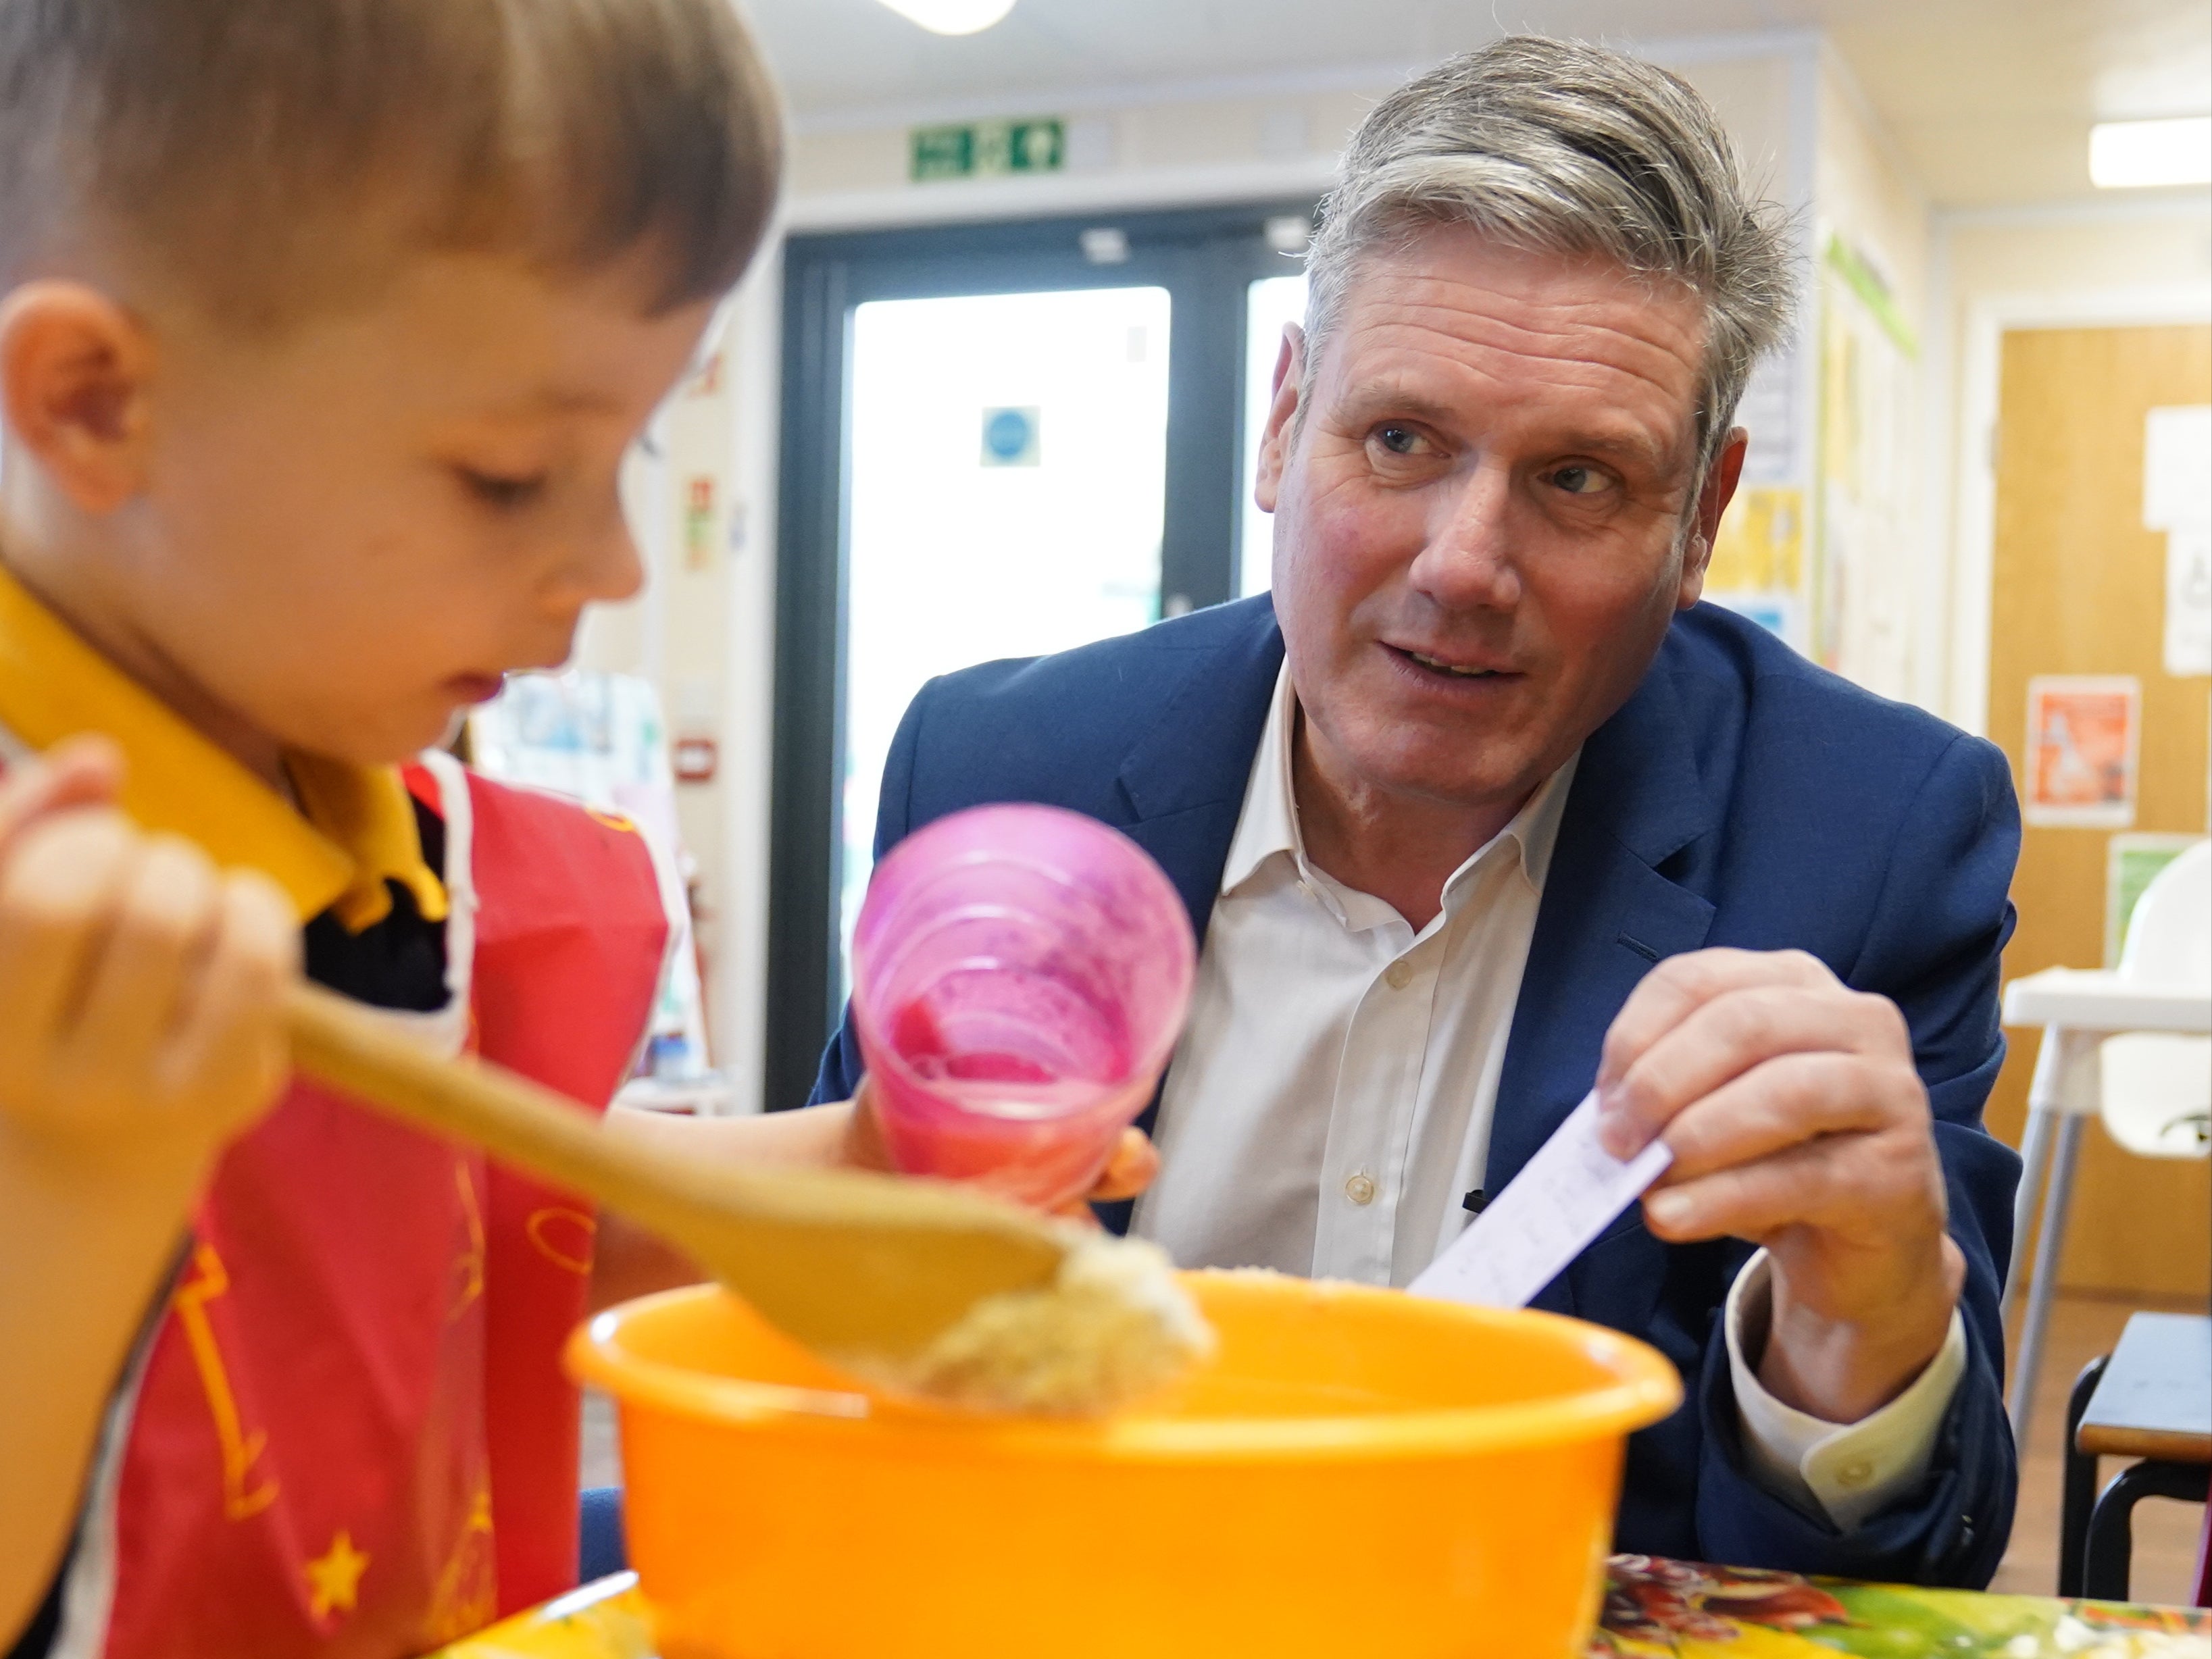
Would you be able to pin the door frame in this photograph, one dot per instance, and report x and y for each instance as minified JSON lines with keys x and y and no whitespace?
{"x":1207,"y":257}
{"x":1989,"y":320}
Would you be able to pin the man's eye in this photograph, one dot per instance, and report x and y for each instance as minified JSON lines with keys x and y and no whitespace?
{"x":1397,"y":439}
{"x":1580,"y":480}
{"x":502,"y":491}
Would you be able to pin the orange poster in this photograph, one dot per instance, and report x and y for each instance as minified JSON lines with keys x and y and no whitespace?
{"x":2083,"y":734}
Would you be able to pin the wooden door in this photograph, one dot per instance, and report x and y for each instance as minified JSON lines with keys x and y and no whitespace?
{"x":2079,"y":587}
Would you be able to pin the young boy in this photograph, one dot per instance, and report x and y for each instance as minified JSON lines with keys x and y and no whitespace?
{"x":327,"y":324}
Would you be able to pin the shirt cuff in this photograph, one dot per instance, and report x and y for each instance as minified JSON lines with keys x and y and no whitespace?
{"x":1847,"y":1470}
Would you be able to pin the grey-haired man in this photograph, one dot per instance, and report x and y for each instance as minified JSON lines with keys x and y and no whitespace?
{"x":1483,"y":805}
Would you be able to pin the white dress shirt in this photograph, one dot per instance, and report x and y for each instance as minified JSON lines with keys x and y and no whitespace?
{"x":1330,"y":1105}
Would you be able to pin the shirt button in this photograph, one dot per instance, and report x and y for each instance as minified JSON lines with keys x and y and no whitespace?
{"x":1855,"y":1474}
{"x":1360,"y":1189}
{"x":1399,"y":975}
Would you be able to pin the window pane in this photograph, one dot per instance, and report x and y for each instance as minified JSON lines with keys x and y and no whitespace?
{"x":1269,"y":303}
{"x":1009,"y":457}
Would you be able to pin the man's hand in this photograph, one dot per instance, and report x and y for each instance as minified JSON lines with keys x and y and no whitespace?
{"x":1797,"y":1121}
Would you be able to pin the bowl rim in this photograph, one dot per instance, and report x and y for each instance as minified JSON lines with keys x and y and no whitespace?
{"x":1647,"y":1388}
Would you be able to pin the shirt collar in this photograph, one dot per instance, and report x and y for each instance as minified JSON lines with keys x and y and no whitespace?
{"x":1268,"y":822}
{"x":353,"y":831}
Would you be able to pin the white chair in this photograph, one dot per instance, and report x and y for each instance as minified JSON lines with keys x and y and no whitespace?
{"x":2130,"y":1045}
{"x":2157,"y":1095}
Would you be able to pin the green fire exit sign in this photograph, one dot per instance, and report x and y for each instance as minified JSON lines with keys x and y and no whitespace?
{"x":987,"y":149}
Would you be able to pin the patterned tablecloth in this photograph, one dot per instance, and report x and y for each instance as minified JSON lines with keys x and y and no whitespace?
{"x":1654,"y":1609}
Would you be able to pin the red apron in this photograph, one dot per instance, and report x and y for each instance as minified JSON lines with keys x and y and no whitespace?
{"x":349,"y":1434}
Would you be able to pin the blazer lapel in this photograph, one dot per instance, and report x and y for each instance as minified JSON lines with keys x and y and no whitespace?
{"x":1607,"y":915}
{"x":1184,"y":779}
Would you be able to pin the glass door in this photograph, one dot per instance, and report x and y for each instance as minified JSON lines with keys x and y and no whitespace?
{"x":1008,"y":473}
{"x":999,"y":440}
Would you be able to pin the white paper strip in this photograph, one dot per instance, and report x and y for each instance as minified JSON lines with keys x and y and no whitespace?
{"x":2177,"y":467}
{"x":2189,"y":600}
{"x":1548,"y":1215}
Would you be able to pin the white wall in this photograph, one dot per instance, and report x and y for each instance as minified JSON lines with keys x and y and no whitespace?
{"x":1874,"y":566}
{"x":1865,"y":188}
{"x":1805,"y":135}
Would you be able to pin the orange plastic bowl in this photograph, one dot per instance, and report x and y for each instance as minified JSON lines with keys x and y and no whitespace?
{"x":1357,"y":1472}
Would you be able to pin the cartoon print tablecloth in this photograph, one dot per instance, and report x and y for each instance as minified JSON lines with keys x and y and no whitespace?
{"x":1654,"y":1609}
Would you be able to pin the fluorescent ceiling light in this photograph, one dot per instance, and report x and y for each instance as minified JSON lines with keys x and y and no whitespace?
{"x":952,"y":16}
{"x":2124,"y":155}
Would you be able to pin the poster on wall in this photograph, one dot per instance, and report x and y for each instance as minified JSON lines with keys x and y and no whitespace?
{"x":2083,"y":733}
{"x":2189,"y":600}
{"x":1867,"y":576}
{"x":1757,"y":564}
{"x":2131,"y":862}
{"x":1768,"y":411}
{"x":2178,"y":499}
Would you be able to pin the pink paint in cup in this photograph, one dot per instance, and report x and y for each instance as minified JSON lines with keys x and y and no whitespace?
{"x":1020,"y":975}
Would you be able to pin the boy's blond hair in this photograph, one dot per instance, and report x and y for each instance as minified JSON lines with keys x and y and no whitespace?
{"x":260,"y":159}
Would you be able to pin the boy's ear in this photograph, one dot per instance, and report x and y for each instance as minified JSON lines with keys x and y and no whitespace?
{"x":74,"y":372}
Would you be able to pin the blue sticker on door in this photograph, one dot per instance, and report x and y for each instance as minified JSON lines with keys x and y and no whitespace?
{"x":1010,"y":435}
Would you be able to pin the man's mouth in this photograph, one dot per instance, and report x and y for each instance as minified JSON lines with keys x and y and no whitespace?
{"x":1439,"y":665}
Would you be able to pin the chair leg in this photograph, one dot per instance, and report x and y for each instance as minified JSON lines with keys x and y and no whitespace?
{"x":2034,"y":1156}
{"x":2044,"y":1286}
{"x":2078,"y":1492}
{"x":2111,"y":1541}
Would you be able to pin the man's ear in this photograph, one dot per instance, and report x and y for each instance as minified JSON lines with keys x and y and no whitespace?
{"x":75,"y":368}
{"x":1712,"y":502}
{"x":1289,"y":381}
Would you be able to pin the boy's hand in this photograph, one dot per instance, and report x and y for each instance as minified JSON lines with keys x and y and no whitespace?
{"x":140,"y":1012}
{"x":846,"y":1132}
{"x":628,"y":1261}
{"x":1128,"y":1173}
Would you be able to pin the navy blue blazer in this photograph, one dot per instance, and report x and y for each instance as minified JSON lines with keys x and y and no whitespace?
{"x":1740,"y":797}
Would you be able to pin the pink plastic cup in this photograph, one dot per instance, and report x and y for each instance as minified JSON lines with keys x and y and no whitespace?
{"x":1020,"y":975}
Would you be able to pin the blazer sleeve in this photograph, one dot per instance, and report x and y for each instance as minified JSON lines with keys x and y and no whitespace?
{"x":1938,"y":928}
{"x":840,"y":1070}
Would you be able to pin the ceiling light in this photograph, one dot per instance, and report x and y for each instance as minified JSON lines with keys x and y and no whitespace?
{"x":952,"y":16}
{"x":2124,"y":155}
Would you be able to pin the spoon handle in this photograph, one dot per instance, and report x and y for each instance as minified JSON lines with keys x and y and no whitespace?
{"x":522,"y":1123}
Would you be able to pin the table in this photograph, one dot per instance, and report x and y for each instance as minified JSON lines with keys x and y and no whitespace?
{"x":2155,"y":1397}
{"x":1654,"y":1609}
{"x":2150,"y":1398}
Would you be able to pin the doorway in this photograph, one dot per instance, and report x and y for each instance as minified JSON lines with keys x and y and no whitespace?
{"x":2078,"y":588}
{"x":999,"y":440}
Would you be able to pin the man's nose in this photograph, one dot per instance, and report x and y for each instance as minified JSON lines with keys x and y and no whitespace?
{"x":1468,"y":561}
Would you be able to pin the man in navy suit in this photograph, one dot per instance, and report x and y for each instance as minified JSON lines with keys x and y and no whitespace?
{"x":1484,"y":806}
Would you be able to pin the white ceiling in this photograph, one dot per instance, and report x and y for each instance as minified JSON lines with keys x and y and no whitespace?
{"x":1989,"y":100}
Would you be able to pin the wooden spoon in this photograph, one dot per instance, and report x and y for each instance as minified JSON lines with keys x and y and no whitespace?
{"x":859,"y":1268}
